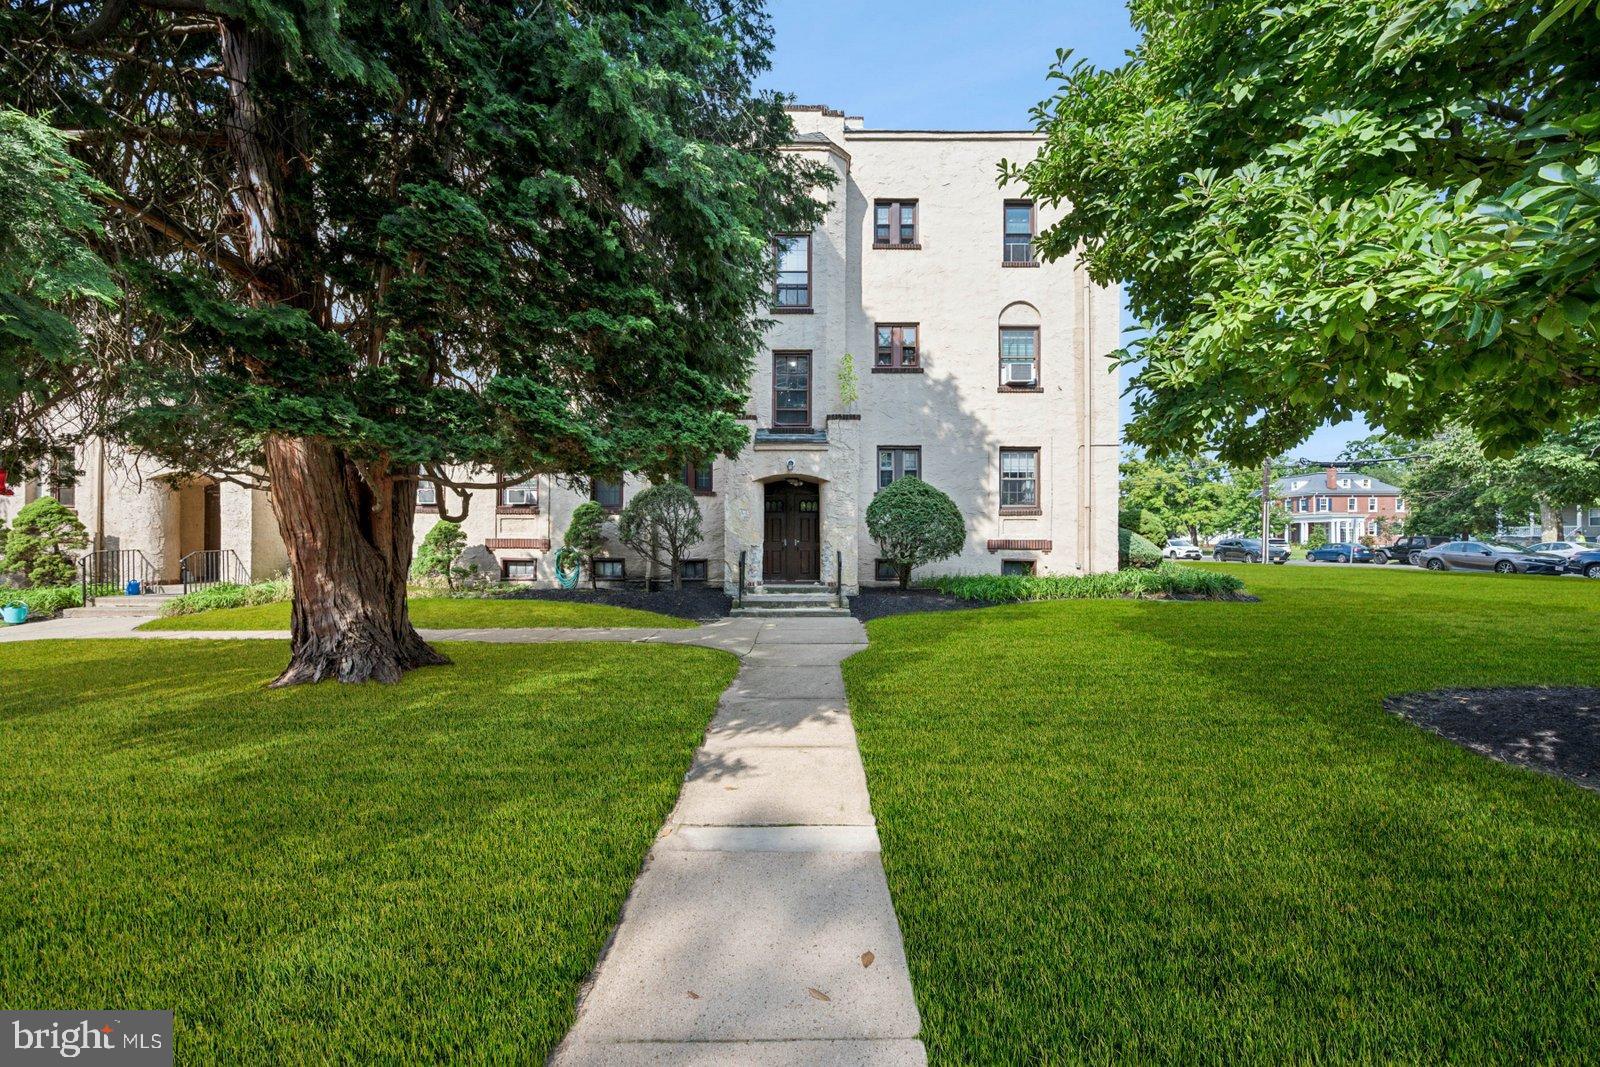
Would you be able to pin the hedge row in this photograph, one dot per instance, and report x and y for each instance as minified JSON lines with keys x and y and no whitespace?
{"x":1166,"y":581}
{"x":229,"y":595}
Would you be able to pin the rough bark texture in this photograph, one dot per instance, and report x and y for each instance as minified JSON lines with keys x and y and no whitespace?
{"x":349,"y":542}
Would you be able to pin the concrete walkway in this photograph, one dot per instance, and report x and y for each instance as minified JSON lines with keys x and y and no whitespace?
{"x":760,"y":930}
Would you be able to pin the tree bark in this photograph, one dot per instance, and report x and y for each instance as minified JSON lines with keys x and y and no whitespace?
{"x":905,"y":576}
{"x":349,"y":543}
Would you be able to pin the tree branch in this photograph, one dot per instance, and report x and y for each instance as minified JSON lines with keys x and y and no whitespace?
{"x":156,"y":220}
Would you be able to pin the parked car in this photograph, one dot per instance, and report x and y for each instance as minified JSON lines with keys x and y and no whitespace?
{"x":1406,"y":549}
{"x":1341,"y":552}
{"x":1487,"y":556}
{"x":1586,"y":563}
{"x":1564,"y":549}
{"x":1181,"y":548}
{"x":1246,"y":550}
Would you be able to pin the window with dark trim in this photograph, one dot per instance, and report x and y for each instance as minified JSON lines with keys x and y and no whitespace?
{"x":692,"y":570}
{"x":895,"y":463}
{"x":1018,"y":567}
{"x":610,"y":569}
{"x":884,"y":570}
{"x":793,"y":254}
{"x":894,"y":224}
{"x":64,"y":486}
{"x":1019,"y":479}
{"x":607,"y":494}
{"x":427,"y":494}
{"x":791,"y":391}
{"x":697,"y":476}
{"x":1018,"y":243}
{"x":524,"y":496}
{"x":897,"y":345}
{"x":1019,"y":357}
{"x":519,"y":570}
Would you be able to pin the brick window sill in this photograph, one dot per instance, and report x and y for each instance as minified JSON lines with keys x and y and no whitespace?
{"x":1034,"y":263}
{"x":515,"y":509}
{"x":794,"y":311}
{"x":705,"y":492}
{"x":915,"y":246}
{"x":1020,"y":389}
{"x":1028,"y":513}
{"x":896,"y":370}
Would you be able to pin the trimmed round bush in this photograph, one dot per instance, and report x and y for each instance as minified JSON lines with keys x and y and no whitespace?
{"x":914,"y":523}
{"x":1136,"y":550}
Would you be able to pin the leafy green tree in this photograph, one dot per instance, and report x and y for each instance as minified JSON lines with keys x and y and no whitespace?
{"x":42,"y":535}
{"x":1561,"y":471}
{"x":915,"y":523}
{"x":586,"y":534}
{"x":1322,"y":208}
{"x":436,"y":557}
{"x":47,"y":270}
{"x":365,"y":243}
{"x":659,"y":524}
{"x":1456,"y":490}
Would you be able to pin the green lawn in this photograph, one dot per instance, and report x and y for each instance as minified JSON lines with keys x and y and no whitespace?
{"x":441,"y":613}
{"x":413,"y":873}
{"x":1189,"y":832}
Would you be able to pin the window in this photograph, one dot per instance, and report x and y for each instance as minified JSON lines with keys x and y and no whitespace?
{"x":519,"y":570}
{"x":791,"y":391}
{"x":1324,"y":504}
{"x":1350,"y":504}
{"x":1399,"y":503}
{"x":894,"y":223}
{"x":793,"y":252}
{"x":697,"y":476}
{"x":897,"y":345}
{"x":1019,"y":232}
{"x":1017,"y":567}
{"x":524,"y":496}
{"x":1019,"y":357}
{"x":610,"y":569}
{"x":64,"y":487}
{"x":1372,"y":503}
{"x":896,"y":463}
{"x":884,"y":570}
{"x":427,"y":493}
{"x":692,"y":570}
{"x":1019,"y":478}
{"x":607,"y":494}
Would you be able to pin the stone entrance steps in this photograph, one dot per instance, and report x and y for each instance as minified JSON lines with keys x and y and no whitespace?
{"x":792,"y":601}
{"x":146,"y":606}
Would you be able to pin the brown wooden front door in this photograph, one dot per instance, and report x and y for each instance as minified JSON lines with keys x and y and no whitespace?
{"x":791,"y":550}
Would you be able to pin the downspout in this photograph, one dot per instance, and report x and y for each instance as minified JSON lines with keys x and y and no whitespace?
{"x":100,"y":497}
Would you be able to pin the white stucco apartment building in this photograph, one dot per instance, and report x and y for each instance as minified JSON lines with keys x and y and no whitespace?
{"x":980,"y":369}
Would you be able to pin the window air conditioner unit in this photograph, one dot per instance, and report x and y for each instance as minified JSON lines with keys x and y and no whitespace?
{"x":1020,"y":374}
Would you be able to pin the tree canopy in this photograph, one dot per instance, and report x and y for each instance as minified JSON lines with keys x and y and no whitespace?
{"x":1322,"y":208}
{"x":1197,"y":495}
{"x":367,"y":242}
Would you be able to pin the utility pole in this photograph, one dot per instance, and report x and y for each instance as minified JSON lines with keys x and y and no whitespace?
{"x":1266,"y":510}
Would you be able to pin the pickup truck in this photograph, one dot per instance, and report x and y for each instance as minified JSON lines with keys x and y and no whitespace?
{"x":1406,"y":549}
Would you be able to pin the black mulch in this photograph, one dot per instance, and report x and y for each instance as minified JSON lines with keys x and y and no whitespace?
{"x":697,"y":603}
{"x":872,"y":604}
{"x":1552,"y":730}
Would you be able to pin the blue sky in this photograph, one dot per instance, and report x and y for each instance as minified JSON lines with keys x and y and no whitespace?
{"x":937,"y":64}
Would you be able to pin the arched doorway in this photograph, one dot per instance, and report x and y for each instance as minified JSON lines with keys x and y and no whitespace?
{"x":791,"y":549}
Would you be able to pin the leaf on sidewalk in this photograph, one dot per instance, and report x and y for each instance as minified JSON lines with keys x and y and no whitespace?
{"x":693,"y":995}
{"x":817,"y":994}
{"x":867,"y":958}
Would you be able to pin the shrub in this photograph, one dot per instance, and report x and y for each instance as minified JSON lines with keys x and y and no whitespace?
{"x":660,"y":523}
{"x":1317,"y":537}
{"x":44,"y":601}
{"x":228,"y":595}
{"x":1136,"y":550}
{"x":1144,"y":522}
{"x":41,"y":536}
{"x":586,"y":533}
{"x":436,"y":556}
{"x":915,"y":523}
{"x":1166,"y":581}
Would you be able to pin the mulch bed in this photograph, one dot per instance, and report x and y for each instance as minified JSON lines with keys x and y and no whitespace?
{"x":696,"y":603}
{"x":1552,"y":730}
{"x":872,"y":604}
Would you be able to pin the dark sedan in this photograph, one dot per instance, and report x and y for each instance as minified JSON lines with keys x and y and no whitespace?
{"x":1586,"y":563}
{"x":1341,"y":552}
{"x":1245,"y":550}
{"x":1487,"y":556}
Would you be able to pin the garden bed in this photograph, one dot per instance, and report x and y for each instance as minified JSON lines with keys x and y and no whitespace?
{"x":872,"y":604}
{"x":1554,"y":730}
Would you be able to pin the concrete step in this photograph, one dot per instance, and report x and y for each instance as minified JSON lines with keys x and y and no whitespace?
{"x":788,"y":599}
{"x":120,"y":607}
{"x":790,"y":611}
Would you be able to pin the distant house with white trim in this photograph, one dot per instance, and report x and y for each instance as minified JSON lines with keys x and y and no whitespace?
{"x":1349,"y":505}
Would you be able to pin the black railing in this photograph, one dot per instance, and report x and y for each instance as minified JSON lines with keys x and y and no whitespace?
{"x":738,"y":593}
{"x":114,"y":568}
{"x":838,"y":575}
{"x":212,"y":566}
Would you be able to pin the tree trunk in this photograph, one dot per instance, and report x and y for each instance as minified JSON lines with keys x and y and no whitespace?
{"x":349,"y":546}
{"x":905,"y":576}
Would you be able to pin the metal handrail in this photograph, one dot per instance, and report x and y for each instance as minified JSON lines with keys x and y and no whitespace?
{"x":212,"y":566}
{"x":115,"y":567}
{"x":738,"y":593}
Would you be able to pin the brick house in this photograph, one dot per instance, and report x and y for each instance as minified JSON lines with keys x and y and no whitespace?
{"x":1347,"y":504}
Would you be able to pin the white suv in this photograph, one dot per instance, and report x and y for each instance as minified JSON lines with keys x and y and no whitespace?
{"x":1181,"y":548}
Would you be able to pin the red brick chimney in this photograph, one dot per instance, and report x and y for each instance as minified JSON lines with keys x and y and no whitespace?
{"x":1333,"y":476}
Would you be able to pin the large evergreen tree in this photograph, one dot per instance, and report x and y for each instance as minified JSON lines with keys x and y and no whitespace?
{"x":1323,"y":208}
{"x":367,"y":241}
